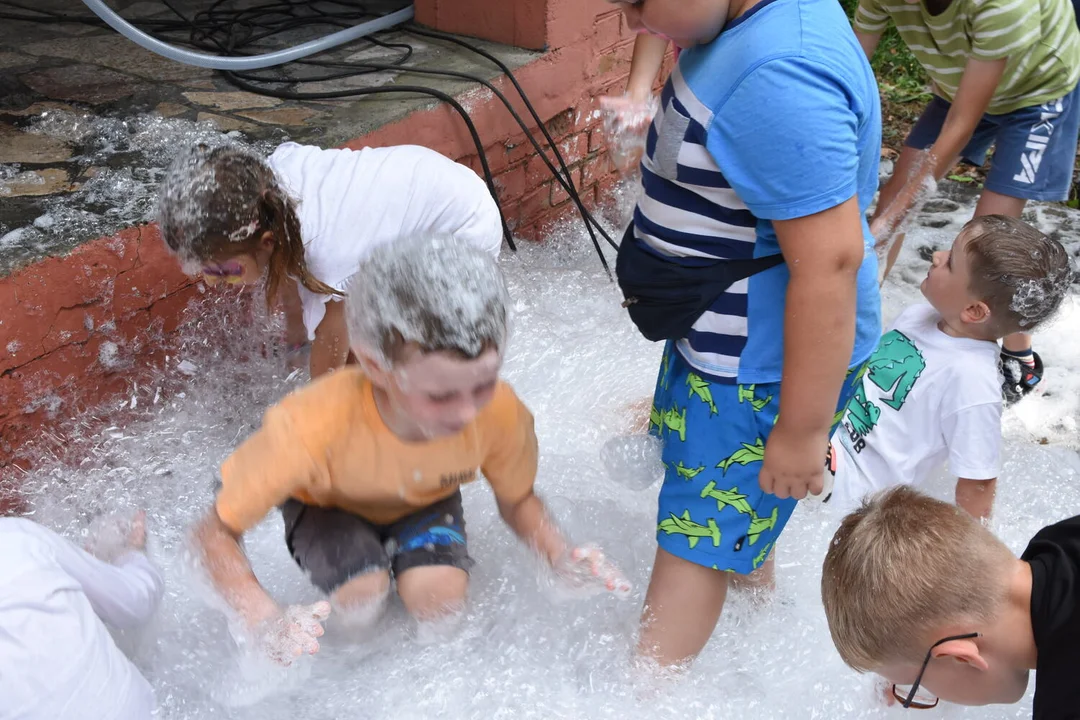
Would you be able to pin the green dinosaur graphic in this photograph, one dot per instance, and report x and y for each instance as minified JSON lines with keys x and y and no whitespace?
{"x":656,"y":417}
{"x":692,"y":530}
{"x":676,"y":422}
{"x":700,"y":387}
{"x":744,"y":456}
{"x":727,"y":498}
{"x":746,"y":394}
{"x":894,"y":367}
{"x":759,"y":525}
{"x":760,"y":557}
{"x":688,"y":473}
{"x":665,"y":366}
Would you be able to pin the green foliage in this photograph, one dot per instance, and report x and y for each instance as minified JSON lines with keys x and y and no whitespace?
{"x":899,"y":74}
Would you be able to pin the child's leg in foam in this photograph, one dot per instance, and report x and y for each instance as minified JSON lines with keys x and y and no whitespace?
{"x":343,"y":555}
{"x":714,"y":519}
{"x":431,"y":560}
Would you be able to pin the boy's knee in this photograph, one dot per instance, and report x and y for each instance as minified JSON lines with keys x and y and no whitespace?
{"x":432,"y":592}
{"x":360,"y":601}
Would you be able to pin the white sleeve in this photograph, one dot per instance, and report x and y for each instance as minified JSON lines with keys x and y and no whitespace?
{"x":973,"y":436}
{"x":124,"y":595}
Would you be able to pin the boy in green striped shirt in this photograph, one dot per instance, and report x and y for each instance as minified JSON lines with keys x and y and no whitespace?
{"x":1004,"y":72}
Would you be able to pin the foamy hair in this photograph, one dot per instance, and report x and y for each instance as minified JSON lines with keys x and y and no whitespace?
{"x":438,"y":292}
{"x":1036,"y":301}
{"x":1021,"y":273}
{"x":195,"y":206}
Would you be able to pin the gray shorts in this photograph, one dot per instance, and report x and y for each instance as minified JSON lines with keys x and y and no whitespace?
{"x":333,"y":546}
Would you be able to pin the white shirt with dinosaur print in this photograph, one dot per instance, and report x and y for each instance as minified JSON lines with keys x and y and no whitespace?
{"x":926,"y":399}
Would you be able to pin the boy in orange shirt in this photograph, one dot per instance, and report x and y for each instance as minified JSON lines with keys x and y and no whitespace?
{"x":366,"y":463}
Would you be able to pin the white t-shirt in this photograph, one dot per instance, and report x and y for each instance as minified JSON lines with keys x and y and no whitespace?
{"x":927,"y":398}
{"x":57,"y":658}
{"x":352,"y":201}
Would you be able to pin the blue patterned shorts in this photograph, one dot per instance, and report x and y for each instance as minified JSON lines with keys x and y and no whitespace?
{"x":712,"y":510}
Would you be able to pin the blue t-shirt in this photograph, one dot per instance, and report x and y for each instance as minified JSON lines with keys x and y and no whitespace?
{"x":777,"y":118}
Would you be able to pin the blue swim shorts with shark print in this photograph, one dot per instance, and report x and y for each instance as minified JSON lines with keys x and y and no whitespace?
{"x":712,"y":510}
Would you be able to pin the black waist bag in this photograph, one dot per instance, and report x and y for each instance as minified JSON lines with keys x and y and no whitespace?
{"x":666,"y":298}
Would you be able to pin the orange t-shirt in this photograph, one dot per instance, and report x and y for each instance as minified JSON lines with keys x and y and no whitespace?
{"x":327,"y":445}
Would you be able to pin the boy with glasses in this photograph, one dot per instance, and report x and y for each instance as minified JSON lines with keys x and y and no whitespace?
{"x":918,"y":591}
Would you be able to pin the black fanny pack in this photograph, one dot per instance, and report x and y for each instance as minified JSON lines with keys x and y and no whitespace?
{"x":665,"y":298}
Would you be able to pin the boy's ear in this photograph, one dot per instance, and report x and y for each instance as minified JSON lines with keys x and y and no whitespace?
{"x":372,"y":368}
{"x":976,"y":313}
{"x":267,"y":239}
{"x":965,"y":651}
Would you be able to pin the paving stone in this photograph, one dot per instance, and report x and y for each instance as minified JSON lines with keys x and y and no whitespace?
{"x":10,"y":60}
{"x":232,"y":100}
{"x":82,"y":83}
{"x":168,"y":109}
{"x":36,"y":182}
{"x":201,"y":83}
{"x":226,"y":123}
{"x":118,"y":53}
{"x":281,"y":116}
{"x":17,"y":146}
{"x":41,"y":107}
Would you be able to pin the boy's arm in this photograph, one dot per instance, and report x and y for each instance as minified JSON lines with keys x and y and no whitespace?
{"x":529,"y":520}
{"x":869,"y":23}
{"x":331,"y":346}
{"x":649,"y":51}
{"x":262,"y":473}
{"x":868,"y":42}
{"x":977,"y":87}
{"x":976,"y":497}
{"x":823,"y":253}
{"x":973,"y":437}
{"x":230,"y":572}
{"x":510,"y":468}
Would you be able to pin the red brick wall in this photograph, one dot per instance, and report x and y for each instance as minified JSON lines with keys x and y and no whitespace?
{"x":56,"y":314}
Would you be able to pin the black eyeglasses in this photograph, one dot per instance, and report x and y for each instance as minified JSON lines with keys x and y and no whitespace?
{"x":909,"y":701}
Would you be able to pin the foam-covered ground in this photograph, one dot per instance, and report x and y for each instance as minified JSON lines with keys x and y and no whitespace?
{"x":578,"y":363}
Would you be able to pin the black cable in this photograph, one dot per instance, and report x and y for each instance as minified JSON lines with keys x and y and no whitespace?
{"x":524,"y":98}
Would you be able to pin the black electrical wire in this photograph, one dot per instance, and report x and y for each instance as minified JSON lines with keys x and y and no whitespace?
{"x":230,"y":32}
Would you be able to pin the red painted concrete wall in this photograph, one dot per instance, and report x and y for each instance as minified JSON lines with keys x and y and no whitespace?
{"x":56,"y":315}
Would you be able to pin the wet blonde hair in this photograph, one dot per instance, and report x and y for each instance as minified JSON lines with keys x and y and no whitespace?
{"x":902,"y":567}
{"x":217,"y":202}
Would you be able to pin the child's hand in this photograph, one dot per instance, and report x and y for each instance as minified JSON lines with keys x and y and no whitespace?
{"x":625,"y":122}
{"x":793,"y":465}
{"x":113,"y":536}
{"x":587,"y":567}
{"x":292,"y":633}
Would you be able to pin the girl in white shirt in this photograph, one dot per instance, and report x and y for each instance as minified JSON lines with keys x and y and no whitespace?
{"x":57,"y":658}
{"x":306,"y":217}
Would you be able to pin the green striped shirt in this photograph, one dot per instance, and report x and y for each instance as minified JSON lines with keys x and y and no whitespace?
{"x":1039,"y":38}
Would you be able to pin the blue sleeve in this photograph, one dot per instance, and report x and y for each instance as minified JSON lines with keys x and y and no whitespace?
{"x":787,"y":140}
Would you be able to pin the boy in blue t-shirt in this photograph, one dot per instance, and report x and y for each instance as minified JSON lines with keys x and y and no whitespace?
{"x":766,"y":142}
